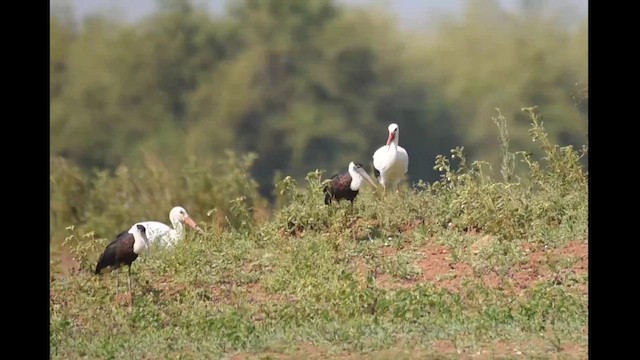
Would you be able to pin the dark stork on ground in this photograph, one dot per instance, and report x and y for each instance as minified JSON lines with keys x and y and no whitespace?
{"x":346,"y":185}
{"x":123,"y":250}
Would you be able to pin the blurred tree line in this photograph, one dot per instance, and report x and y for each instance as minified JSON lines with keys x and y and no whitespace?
{"x":307,"y":84}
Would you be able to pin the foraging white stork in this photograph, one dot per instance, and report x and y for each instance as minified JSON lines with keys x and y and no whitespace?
{"x":123,"y":250}
{"x":391,"y":161}
{"x":162,"y":234}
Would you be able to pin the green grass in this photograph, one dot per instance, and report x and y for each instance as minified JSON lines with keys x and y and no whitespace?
{"x":315,"y":281}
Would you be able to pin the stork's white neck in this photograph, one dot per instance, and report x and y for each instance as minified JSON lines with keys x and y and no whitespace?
{"x":139,"y":243}
{"x":178,"y":226}
{"x":356,"y":180}
{"x":392,"y":148}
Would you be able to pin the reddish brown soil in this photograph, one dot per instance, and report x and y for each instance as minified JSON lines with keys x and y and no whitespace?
{"x":437,"y":267}
{"x":64,"y":264}
{"x":541,"y":263}
{"x":167,"y":289}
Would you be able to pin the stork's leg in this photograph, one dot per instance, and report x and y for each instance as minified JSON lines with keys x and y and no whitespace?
{"x":129,"y":281}
{"x":117,"y":280}
{"x":353,"y":228}
{"x":384,"y":187}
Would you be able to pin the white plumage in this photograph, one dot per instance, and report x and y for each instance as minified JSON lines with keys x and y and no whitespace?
{"x":391,"y":161}
{"x":161,"y":234}
{"x":140,"y":242}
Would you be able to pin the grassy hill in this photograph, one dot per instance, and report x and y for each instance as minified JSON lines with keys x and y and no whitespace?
{"x":467,"y":267}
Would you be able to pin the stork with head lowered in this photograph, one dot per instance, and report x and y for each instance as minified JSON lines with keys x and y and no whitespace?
{"x":346,"y":185}
{"x":161,"y":234}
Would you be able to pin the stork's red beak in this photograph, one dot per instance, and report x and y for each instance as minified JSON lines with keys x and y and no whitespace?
{"x":392,"y":136}
{"x":189,"y":221}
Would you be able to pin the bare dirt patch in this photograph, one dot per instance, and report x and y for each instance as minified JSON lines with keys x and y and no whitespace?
{"x":300,"y":352}
{"x":435,"y":264}
{"x":524,"y":349}
{"x":362,"y":228}
{"x":254,"y":293}
{"x":408,"y":228}
{"x":258,"y":294}
{"x":444,"y":347}
{"x":64,"y":263}
{"x":389,"y":251}
{"x":546,"y":264}
{"x":169,"y":289}
{"x":437,"y":267}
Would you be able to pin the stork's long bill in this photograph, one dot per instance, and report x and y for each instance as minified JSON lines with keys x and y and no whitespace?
{"x":366,"y":176}
{"x":392,"y":135}
{"x":189,"y":221}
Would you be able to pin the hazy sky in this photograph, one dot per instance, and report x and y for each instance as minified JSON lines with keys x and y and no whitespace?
{"x":412,"y":13}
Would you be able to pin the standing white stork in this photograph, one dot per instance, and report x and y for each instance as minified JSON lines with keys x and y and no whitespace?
{"x":164,"y":235}
{"x":391,"y":161}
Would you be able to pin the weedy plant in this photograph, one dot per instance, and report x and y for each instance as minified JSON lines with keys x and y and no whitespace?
{"x":305,"y":209}
{"x":82,"y":247}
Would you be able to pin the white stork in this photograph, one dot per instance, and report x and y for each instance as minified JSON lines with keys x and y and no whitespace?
{"x":158,"y":232}
{"x":391,"y":161}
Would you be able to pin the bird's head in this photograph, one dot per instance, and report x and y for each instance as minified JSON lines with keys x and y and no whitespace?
{"x":179,"y":215}
{"x":143,"y":233}
{"x":356,"y":170}
{"x":393,"y":133}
